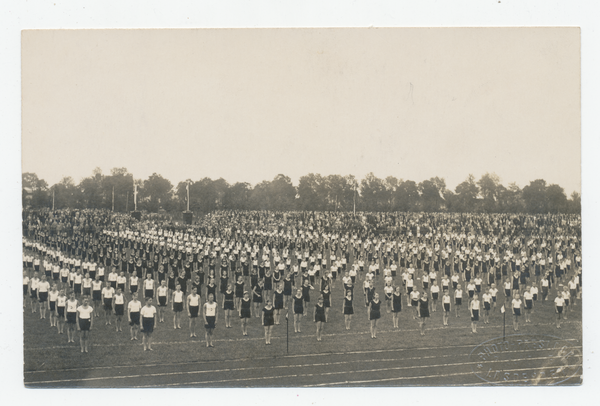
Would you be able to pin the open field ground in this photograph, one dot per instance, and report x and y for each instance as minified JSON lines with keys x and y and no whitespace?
{"x":397,"y":357}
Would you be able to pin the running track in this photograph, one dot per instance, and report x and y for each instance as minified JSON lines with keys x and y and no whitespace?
{"x":416,"y":366}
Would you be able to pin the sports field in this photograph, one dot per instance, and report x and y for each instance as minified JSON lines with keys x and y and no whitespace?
{"x":397,"y":357}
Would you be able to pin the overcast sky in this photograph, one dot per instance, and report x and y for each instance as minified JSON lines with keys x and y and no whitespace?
{"x":247,"y":104}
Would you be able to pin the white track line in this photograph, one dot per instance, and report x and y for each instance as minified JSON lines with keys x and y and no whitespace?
{"x":294,"y":336}
{"x":292,"y":366}
{"x":436,"y":376}
{"x":295,"y":356}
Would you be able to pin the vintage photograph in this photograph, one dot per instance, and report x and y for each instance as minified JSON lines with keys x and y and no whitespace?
{"x":301,"y":207}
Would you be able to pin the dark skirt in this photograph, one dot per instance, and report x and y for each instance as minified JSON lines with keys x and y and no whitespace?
{"x":475,"y":316}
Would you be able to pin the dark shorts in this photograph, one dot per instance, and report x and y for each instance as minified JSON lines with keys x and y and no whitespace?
{"x":434,"y":296}
{"x":87,"y":291}
{"x":228,"y":305}
{"x":148,"y":324}
{"x":559,"y":309}
{"x":414,"y":303}
{"x":25,"y":290}
{"x":458,"y":301}
{"x":64,"y":279}
{"x":210,"y":322}
{"x":494,"y":299}
{"x":471,"y":293}
{"x":96,"y":295}
{"x":528,"y":304}
{"x":135,"y":318}
{"x":149,"y":293}
{"x":193,"y":311}
{"x":517,"y":312}
{"x":177,"y":306}
{"x":71,"y":317}
{"x":84,"y":324}
{"x":507,"y":292}
{"x":162,"y":301}
{"x":119,"y":309}
{"x":245,"y":314}
{"x":486,"y":305}
{"x":60,"y":311}
{"x":42,"y":296}
{"x":108,"y":304}
{"x":475,"y":316}
{"x":447,"y":307}
{"x":77,"y":288}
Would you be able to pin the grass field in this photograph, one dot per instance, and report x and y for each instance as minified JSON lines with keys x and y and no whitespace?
{"x":397,"y":357}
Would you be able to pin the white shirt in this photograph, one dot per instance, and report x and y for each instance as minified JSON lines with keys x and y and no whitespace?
{"x":85,"y":313}
{"x":134,"y":306}
{"x":148,"y":312}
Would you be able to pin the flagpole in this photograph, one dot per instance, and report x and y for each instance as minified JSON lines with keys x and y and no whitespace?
{"x":187,"y":187}
{"x":52,"y":199}
{"x":355,"y":200}
{"x":113,"y":199}
{"x":503,"y":323}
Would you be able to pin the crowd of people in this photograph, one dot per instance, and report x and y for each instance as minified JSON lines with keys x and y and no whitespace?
{"x":85,"y":267}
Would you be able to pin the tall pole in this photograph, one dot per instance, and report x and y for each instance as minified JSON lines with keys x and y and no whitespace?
{"x":287,"y":332}
{"x":52,"y":199}
{"x":134,"y":196}
{"x":113,"y":199}
{"x":355,"y":200}
{"x":187,"y":187}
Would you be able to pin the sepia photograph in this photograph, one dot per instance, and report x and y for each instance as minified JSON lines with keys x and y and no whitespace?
{"x":301,"y":207}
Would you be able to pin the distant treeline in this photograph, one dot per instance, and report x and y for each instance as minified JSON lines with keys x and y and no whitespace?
{"x":313,"y":193}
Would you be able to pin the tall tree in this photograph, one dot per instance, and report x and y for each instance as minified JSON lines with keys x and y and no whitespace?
{"x":488,"y":186}
{"x":407,"y":196}
{"x":35,"y":191}
{"x":91,"y":190}
{"x":534,"y":197}
{"x":282,"y":194}
{"x":237,"y":196}
{"x":155,"y":193}
{"x":467,"y":193}
{"x":575,"y":203}
{"x":432,"y":194}
{"x":312,"y":192}
{"x":557,"y":199}
{"x":373,"y":193}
